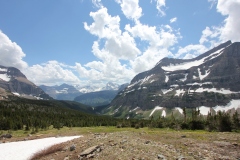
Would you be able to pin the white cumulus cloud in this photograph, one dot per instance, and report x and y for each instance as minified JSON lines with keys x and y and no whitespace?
{"x":11,"y":54}
{"x":214,"y":35}
{"x":130,"y":8}
{"x":173,"y":20}
{"x":51,"y":73}
{"x":160,"y":4}
{"x":97,"y":3}
{"x":230,"y":29}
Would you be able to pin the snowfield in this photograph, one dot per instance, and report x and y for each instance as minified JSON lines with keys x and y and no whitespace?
{"x":23,"y":150}
{"x":5,"y":77}
{"x":187,"y":65}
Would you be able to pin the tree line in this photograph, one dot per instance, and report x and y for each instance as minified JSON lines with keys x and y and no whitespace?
{"x":35,"y":115}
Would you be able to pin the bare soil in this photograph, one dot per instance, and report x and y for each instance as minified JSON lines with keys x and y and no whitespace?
{"x":153,"y":144}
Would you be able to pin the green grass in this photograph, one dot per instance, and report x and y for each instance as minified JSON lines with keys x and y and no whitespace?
{"x":165,"y":134}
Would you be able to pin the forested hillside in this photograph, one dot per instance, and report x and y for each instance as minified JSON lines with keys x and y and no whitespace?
{"x":35,"y":114}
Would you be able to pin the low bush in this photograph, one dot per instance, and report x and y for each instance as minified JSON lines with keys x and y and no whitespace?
{"x":47,"y":151}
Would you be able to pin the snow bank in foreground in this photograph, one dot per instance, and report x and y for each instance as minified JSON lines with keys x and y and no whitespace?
{"x":25,"y":149}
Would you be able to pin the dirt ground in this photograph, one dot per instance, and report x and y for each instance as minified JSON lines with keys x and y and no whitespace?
{"x":149,"y":144}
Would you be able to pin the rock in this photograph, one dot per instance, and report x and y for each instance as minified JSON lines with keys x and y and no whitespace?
{"x":159,"y":156}
{"x":183,"y":136}
{"x":225,"y":158}
{"x":89,"y":150}
{"x":147,"y":142}
{"x":6,"y":136}
{"x":72,"y":147}
{"x":113,"y":144}
{"x":235,"y":144}
{"x":91,"y":155}
{"x":222,"y":143}
{"x":99,"y":149}
{"x":181,"y":158}
{"x":66,"y":158}
{"x":65,"y":148}
{"x":124,"y":141}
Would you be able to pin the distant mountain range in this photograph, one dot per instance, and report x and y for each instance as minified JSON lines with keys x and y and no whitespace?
{"x":14,"y":82}
{"x":62,"y":92}
{"x":88,"y":95}
{"x":100,"y":98}
{"x":209,"y":80}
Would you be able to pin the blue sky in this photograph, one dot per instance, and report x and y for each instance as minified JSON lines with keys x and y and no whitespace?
{"x":92,"y":42}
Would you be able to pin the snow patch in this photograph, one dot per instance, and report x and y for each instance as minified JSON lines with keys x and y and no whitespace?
{"x":5,"y":77}
{"x":187,"y":65}
{"x":166,"y":91}
{"x":198,"y":84}
{"x":130,"y":91}
{"x":142,"y":81}
{"x":116,"y":110}
{"x":174,"y":85}
{"x":204,"y":110}
{"x":222,"y":90}
{"x":146,"y":79}
{"x":185,"y":78}
{"x":195,"y":77}
{"x":163,"y":113}
{"x":134,"y":109}
{"x":3,"y":69}
{"x":179,"y":110}
{"x":15,"y":93}
{"x":232,"y":104}
{"x":152,"y":81}
{"x":166,"y":78}
{"x":179,"y":92}
{"x":156,"y":108}
{"x":17,"y":150}
{"x":203,"y":76}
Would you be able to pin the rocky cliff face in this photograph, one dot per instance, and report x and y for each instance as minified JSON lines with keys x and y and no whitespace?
{"x":210,"y":79}
{"x":14,"y":81}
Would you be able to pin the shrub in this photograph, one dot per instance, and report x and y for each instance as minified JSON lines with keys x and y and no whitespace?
{"x":50,"y":150}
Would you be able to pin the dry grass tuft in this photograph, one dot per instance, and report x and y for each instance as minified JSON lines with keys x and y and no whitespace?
{"x":47,"y":151}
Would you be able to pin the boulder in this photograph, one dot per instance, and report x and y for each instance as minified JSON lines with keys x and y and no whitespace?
{"x":89,"y":150}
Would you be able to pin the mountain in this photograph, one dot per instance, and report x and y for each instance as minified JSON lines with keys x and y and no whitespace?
{"x":111,"y":86}
{"x":209,"y":80}
{"x":69,"y":92}
{"x":62,"y":92}
{"x":96,"y":98}
{"x":13,"y":81}
{"x":87,"y":89}
{"x":103,"y":97}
